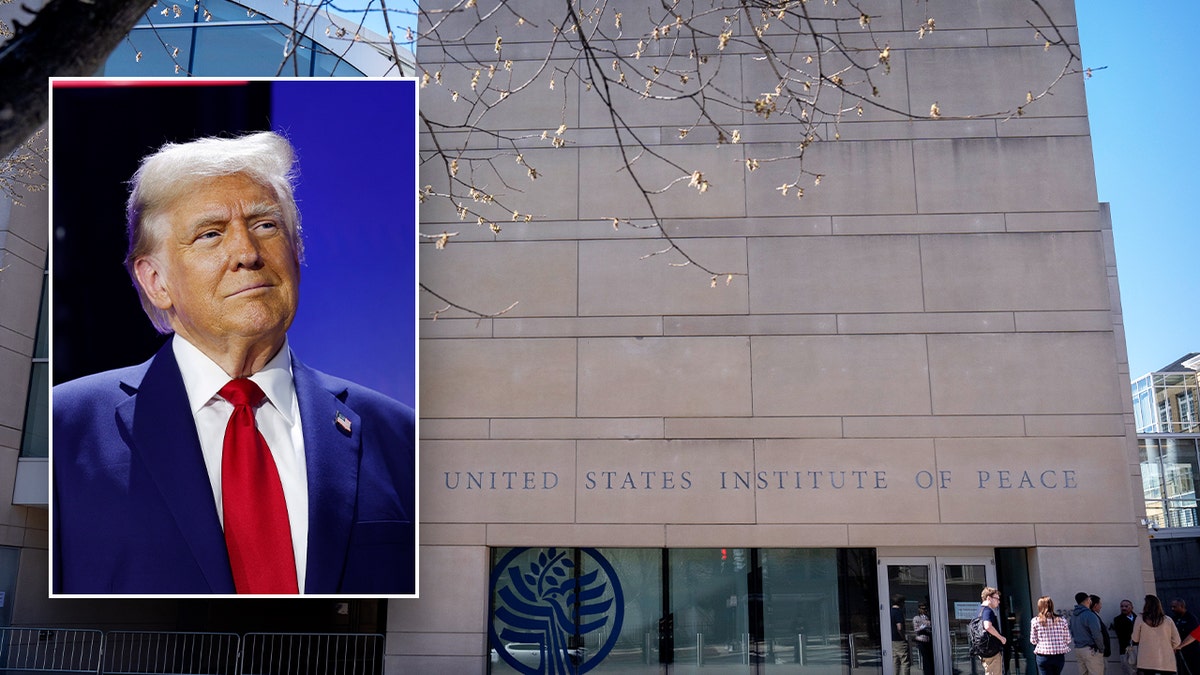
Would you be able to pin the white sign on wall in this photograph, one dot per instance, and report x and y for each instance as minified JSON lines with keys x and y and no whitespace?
{"x":966,"y":611}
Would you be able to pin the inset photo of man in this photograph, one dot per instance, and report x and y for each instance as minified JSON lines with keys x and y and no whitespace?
{"x":233,"y":280}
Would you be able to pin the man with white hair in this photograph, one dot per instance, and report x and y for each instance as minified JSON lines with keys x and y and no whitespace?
{"x":224,"y":464}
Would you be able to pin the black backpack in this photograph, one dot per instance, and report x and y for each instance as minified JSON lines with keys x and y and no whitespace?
{"x":982,"y":642}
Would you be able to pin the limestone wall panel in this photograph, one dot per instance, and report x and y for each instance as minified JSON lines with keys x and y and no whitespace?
{"x":606,"y":191}
{"x":661,"y":377}
{"x":548,"y":197}
{"x":862,"y":178}
{"x":1009,"y":174}
{"x":539,"y":276}
{"x":926,"y":322}
{"x":1025,"y":373}
{"x":452,"y":577}
{"x":990,"y":535}
{"x":971,"y":81}
{"x":757,"y":536}
{"x":752,"y":324}
{"x":923,"y":224}
{"x":835,"y":274}
{"x":1014,"y":272}
{"x":958,"y":14}
{"x":668,"y":97}
{"x":576,"y":534}
{"x":497,"y":378}
{"x":826,"y":375}
{"x":616,"y":278}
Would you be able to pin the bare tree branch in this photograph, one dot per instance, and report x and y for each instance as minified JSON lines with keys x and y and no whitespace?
{"x":828,"y":60}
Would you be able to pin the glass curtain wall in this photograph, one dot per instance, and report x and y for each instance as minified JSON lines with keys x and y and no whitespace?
{"x":1170,"y":467}
{"x":720,"y":610}
{"x":217,"y":38}
{"x":1167,"y":402}
{"x":35,"y":435}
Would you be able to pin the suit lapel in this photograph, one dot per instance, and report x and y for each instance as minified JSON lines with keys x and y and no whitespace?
{"x":164,"y":439}
{"x":332,"y":459}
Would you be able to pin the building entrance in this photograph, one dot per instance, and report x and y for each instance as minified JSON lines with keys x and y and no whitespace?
{"x":948,"y":590}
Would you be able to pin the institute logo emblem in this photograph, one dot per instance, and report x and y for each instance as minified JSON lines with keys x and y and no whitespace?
{"x":555,"y":611}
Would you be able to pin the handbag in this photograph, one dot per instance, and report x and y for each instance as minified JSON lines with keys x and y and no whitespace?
{"x":1130,"y":657}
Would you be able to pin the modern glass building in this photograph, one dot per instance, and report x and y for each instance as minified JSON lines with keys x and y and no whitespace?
{"x":1170,"y":467}
{"x":221,"y":38}
{"x":1167,"y":401}
{"x":23,"y":407}
{"x":1166,"y":410}
{"x":1167,"y":418}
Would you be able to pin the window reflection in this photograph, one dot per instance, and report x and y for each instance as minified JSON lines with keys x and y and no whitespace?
{"x":1168,"y":402}
{"x":727,"y":610}
{"x":219,"y":38}
{"x":637,"y":648}
{"x":710,"y":604}
{"x":1169,"y":468}
{"x":35,"y":434}
{"x":801,"y":609}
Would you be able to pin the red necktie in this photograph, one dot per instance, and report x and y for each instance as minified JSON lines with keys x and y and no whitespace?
{"x":257,"y":532}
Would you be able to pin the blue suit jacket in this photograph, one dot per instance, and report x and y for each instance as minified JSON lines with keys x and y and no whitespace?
{"x":134,"y":510}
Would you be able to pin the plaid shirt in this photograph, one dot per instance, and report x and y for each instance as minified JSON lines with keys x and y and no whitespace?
{"x":1053,"y":637}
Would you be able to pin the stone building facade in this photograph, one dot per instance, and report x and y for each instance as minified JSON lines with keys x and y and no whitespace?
{"x":914,"y":381}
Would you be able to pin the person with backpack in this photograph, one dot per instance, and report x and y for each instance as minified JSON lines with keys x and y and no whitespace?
{"x":1085,"y":633}
{"x":986,"y":641}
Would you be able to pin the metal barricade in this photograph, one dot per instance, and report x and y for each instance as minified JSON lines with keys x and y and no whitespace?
{"x":312,"y":654}
{"x":50,"y":650}
{"x":169,"y":653}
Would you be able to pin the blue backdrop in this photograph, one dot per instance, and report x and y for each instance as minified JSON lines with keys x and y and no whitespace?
{"x":356,"y":145}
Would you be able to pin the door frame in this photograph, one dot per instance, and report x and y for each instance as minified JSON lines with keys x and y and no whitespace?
{"x":938,"y":613}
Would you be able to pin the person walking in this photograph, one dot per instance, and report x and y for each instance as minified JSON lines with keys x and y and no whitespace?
{"x":994,"y":664}
{"x":1050,"y":635}
{"x":1156,"y":639}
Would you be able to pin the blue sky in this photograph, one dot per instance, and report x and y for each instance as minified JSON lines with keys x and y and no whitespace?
{"x":1142,"y":109}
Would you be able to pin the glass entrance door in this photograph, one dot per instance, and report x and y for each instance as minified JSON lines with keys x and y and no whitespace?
{"x":962,"y":582}
{"x":930,"y":597}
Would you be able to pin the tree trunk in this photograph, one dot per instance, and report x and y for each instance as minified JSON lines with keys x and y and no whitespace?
{"x":66,"y":38}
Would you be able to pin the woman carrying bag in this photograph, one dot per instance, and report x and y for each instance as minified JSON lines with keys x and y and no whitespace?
{"x":1156,"y":639}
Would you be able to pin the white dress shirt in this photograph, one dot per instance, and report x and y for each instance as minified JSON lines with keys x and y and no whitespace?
{"x":278,"y":419}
